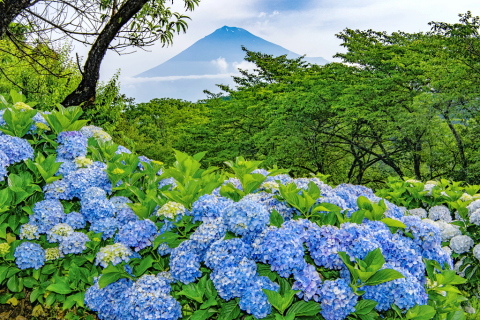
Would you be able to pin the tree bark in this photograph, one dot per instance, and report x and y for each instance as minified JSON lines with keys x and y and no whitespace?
{"x":9,"y":10}
{"x":84,"y":94}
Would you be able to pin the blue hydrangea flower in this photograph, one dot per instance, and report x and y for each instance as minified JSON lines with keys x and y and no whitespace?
{"x":46,"y":214}
{"x":138,"y":234}
{"x":109,"y":302}
{"x":75,"y":220}
{"x":122,"y":149}
{"x":163,"y":249}
{"x":246,"y":217}
{"x":324,"y":243}
{"x":283,"y":250}
{"x":440,"y":213}
{"x":425,"y":235}
{"x":233,"y":281}
{"x":207,"y":233}
{"x":72,"y":144}
{"x":97,"y":209}
{"x":29,"y":255}
{"x":208,"y":207}
{"x":84,"y":178}
{"x":95,"y":132}
{"x":57,"y":190}
{"x":149,"y":299}
{"x":308,"y":281}
{"x":223,"y":253}
{"x":66,"y":167}
{"x":107,"y":226}
{"x":404,"y":292}
{"x":126,"y":215}
{"x":120,"y":202}
{"x":74,"y":243}
{"x":4,"y":162}
{"x":254,"y":301}
{"x":16,"y":149}
{"x":337,"y":299}
{"x":185,"y":262}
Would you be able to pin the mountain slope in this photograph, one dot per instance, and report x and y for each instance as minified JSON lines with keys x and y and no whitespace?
{"x":219,"y":53}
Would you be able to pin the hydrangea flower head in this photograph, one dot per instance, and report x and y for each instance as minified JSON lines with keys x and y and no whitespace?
{"x":74,"y":243}
{"x":72,"y":144}
{"x":440,"y":213}
{"x":29,"y":255}
{"x":29,"y":232}
{"x":110,"y":302}
{"x":460,"y":244}
{"x":16,"y":149}
{"x":246,"y":217}
{"x":95,"y":132}
{"x":137,"y":234}
{"x":46,"y":214}
{"x":171,"y":210}
{"x":75,"y":220}
{"x":107,"y":226}
{"x":4,"y":248}
{"x":58,"y":232}
{"x":337,"y":299}
{"x":53,"y":254}
{"x":114,"y":253}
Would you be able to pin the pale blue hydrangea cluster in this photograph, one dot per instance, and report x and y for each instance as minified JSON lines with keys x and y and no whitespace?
{"x":29,"y":255}
{"x":337,"y":299}
{"x":246,"y":218}
{"x":46,"y":214}
{"x":4,"y":160}
{"x":71,"y":144}
{"x":75,"y":183}
{"x":95,"y":132}
{"x":137,"y":234}
{"x":439,"y":213}
{"x":209,"y":206}
{"x":14,"y":149}
{"x":147,"y":298}
{"x":74,"y":243}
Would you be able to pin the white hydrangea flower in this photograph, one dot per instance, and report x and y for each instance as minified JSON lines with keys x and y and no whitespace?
{"x":466,"y":197}
{"x":475,"y":217}
{"x":429,"y":187}
{"x":440,"y":213}
{"x":412,"y":181}
{"x":171,"y":209}
{"x":474,"y":206}
{"x":114,"y":253}
{"x":270,"y":185}
{"x":476,"y":251}
{"x":461,"y":244}
{"x":83,"y":162}
{"x":448,"y":230}
{"x":419,"y":212}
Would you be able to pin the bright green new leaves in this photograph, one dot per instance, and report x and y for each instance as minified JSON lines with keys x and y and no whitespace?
{"x":191,"y":181}
{"x":65,"y":119}
{"x":368,"y":272}
{"x":44,"y":168}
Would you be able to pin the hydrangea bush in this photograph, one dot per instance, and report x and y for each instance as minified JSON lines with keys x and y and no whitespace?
{"x":88,"y":225}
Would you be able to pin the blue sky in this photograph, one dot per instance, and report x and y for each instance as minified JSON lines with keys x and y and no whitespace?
{"x":303,"y":26}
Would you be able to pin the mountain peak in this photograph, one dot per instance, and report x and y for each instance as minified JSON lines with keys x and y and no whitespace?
{"x":217,"y":53}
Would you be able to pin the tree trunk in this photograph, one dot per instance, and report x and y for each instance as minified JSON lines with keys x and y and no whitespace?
{"x":85,"y":93}
{"x":9,"y":10}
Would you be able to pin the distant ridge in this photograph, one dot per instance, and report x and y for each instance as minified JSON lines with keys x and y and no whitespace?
{"x":219,"y":53}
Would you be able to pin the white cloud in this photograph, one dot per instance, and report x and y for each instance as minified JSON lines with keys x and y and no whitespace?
{"x":244,"y":65}
{"x":135,"y":80}
{"x":221,"y":64}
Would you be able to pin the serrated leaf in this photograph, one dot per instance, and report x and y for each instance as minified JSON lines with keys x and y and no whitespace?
{"x":229,"y":310}
{"x":276,"y":219}
{"x":423,"y":312}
